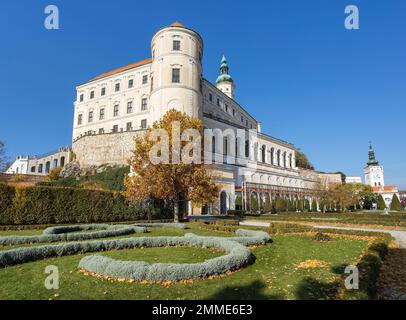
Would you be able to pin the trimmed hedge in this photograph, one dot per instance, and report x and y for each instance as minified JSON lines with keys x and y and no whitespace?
{"x":54,"y":205}
{"x":237,"y":255}
{"x":55,"y":234}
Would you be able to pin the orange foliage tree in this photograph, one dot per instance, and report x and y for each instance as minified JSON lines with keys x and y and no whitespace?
{"x":157,"y":171}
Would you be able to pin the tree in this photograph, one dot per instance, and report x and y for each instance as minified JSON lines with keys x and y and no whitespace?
{"x":267,"y":204}
{"x":395,"y":204}
{"x":302,"y":161}
{"x":314,"y":205}
{"x":3,"y":157}
{"x":280,"y":204}
{"x":253,"y":203}
{"x":159,"y":174}
{"x":381,"y":203}
{"x":238,"y":202}
{"x":54,"y":174}
{"x":322,"y":191}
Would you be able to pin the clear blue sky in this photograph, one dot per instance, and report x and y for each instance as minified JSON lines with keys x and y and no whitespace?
{"x":311,"y":82}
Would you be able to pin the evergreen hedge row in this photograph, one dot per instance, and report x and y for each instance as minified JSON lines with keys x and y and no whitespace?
{"x":55,"y":205}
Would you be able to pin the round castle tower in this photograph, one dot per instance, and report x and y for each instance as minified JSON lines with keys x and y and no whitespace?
{"x":176,"y":71}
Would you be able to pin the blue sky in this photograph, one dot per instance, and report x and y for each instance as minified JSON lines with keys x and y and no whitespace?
{"x":312,"y":82}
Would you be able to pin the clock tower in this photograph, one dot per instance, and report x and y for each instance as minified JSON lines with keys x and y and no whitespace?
{"x":373,"y":171}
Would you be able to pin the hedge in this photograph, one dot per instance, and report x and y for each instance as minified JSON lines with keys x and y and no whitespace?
{"x":54,"y":205}
{"x":237,"y":256}
{"x":55,"y":234}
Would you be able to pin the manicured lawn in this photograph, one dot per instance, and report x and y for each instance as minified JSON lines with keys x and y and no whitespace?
{"x":274,"y":275}
{"x":397,"y":219}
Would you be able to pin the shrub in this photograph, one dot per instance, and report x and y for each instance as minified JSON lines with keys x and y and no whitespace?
{"x":55,"y":234}
{"x":237,"y":256}
{"x":395,"y":205}
{"x":6,"y":198}
{"x":50,"y":205}
{"x":280,"y":205}
{"x":283,"y":228}
{"x":321,"y":237}
{"x":381,"y":203}
{"x":314,"y":205}
{"x":54,"y":174}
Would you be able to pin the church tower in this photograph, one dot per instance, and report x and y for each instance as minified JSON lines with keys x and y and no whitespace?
{"x":176,"y":72}
{"x":224,"y":81}
{"x":373,"y":171}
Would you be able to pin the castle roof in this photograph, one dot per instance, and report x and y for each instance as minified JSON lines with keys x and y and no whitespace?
{"x":224,"y":75}
{"x":177,"y":24}
{"x":127,"y":67}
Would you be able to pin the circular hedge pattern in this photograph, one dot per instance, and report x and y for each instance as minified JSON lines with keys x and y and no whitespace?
{"x":237,"y":254}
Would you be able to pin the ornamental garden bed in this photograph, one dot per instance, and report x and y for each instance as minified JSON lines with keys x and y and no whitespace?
{"x":275,"y":273}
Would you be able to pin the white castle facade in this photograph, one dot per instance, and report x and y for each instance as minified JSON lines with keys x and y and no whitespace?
{"x":116,"y":106}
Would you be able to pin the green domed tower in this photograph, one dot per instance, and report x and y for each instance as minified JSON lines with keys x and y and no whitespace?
{"x":225,"y":82}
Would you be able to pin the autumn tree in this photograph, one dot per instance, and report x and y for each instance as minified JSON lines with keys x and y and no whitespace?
{"x":167,"y":163}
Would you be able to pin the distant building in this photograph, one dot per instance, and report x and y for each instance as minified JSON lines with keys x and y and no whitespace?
{"x":374,"y":177}
{"x":42,"y":164}
{"x":353,"y":180}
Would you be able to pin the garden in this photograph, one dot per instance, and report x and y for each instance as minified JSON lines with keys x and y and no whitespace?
{"x":188,"y":261}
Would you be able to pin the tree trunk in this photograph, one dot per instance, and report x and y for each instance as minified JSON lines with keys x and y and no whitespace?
{"x":176,"y":210}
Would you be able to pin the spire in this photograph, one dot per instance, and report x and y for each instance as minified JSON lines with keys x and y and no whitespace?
{"x":224,"y":75}
{"x":371,"y":156}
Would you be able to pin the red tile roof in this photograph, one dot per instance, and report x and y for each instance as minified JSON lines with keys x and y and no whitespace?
{"x":177,"y":24}
{"x":385,"y":188}
{"x":118,"y":70}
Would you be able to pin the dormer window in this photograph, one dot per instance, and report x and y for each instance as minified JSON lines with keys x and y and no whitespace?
{"x":176,"y":45}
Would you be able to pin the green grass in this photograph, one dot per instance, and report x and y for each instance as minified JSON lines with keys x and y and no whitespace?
{"x":274,"y":275}
{"x":361,"y":217}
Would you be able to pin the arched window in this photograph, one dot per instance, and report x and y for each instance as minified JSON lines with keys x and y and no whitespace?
{"x":285,"y":162}
{"x":62,"y":161}
{"x":272,"y":156}
{"x":263,"y":153}
{"x":278,"y":158}
{"x":213,"y":145}
{"x":290,"y":160}
{"x":247,"y":149}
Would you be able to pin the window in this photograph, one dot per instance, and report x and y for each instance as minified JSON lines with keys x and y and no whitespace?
{"x":32,"y":169}
{"x":115,"y":112}
{"x":81,"y":97}
{"x":175,"y":75}
{"x":242,"y":119}
{"x":218,"y":102}
{"x":103,"y":91}
{"x":210,"y":97}
{"x":101,"y":131}
{"x":129,"y":126}
{"x":115,"y":128}
{"x":176,"y":45}
{"x":246,"y":123}
{"x":226,"y":107}
{"x":130,"y":83}
{"x":233,"y":112}
{"x":145,"y":79}
{"x":80,"y":118}
{"x":90,"y":119}
{"x":40,"y":168}
{"x":129,"y":107}
{"x":144,"y":124}
{"x":117,"y":87}
{"x":62,"y":161}
{"x":101,"y":114}
{"x":144,"y":104}
{"x":91,"y":94}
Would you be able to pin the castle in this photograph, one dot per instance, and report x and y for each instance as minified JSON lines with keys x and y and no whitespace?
{"x":114,"y":107}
